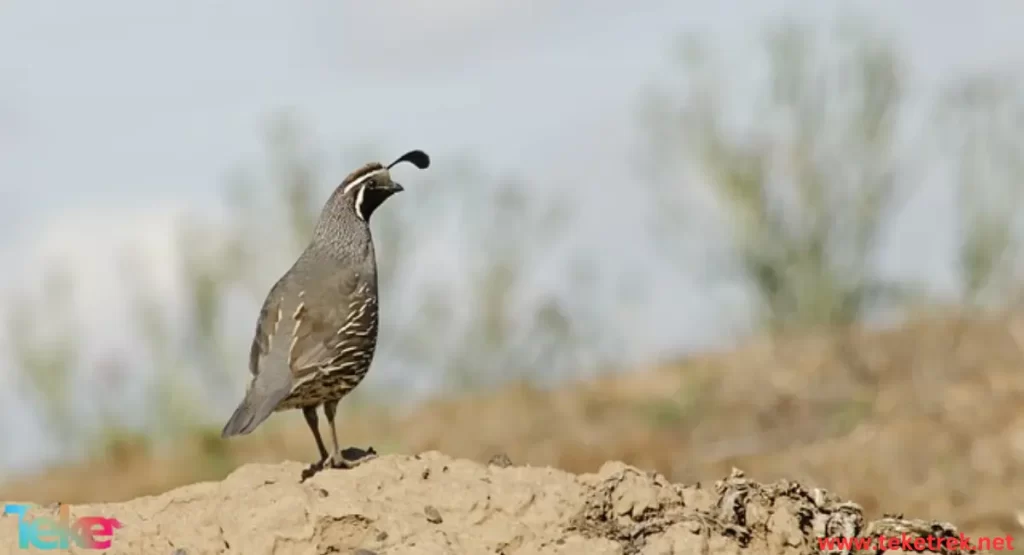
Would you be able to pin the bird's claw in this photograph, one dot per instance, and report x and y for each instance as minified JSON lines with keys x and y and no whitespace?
{"x":312,"y":470}
{"x":346,"y":459}
{"x":350,"y":458}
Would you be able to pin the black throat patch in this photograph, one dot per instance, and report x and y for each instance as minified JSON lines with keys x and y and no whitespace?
{"x":369,"y":199}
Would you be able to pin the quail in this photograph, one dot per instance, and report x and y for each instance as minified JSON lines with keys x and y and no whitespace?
{"x":317,"y":330}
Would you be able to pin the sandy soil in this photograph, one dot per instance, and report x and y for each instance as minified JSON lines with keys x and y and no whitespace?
{"x":925,"y":419}
{"x":435,"y":504}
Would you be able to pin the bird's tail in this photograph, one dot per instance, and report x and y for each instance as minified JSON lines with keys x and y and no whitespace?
{"x":258,"y":405}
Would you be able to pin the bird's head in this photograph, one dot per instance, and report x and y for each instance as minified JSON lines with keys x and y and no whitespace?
{"x":365,"y":189}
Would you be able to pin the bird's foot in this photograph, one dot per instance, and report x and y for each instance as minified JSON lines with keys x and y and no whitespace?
{"x":350,"y":458}
{"x":345,"y":459}
{"x":312,"y":469}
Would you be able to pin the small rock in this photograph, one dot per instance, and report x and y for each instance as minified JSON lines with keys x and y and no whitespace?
{"x":433,"y":516}
{"x":500,"y":460}
{"x":365,"y":552}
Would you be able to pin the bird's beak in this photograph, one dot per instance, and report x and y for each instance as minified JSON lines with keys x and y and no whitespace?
{"x":396,"y":187}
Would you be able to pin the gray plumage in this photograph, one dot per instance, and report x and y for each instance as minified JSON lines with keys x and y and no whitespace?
{"x":317,"y":330}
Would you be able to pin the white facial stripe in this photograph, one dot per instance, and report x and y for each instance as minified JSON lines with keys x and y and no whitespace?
{"x":359,"y":203}
{"x":362,"y":179}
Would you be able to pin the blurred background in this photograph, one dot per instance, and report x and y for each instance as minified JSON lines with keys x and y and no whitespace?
{"x":776,"y":235}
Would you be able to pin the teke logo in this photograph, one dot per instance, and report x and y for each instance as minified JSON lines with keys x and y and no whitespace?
{"x":88,"y":532}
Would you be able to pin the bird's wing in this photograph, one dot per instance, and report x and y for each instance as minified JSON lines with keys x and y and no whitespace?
{"x":327,"y":332}
{"x":271,"y":381}
{"x":310,"y":327}
{"x":266,"y":327}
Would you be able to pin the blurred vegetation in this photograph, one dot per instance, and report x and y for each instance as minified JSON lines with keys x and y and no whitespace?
{"x":807,"y":177}
{"x":795,"y":180}
{"x":984,"y":136}
{"x":46,"y":354}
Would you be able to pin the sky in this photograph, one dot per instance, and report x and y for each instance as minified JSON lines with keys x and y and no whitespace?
{"x":116,"y":115}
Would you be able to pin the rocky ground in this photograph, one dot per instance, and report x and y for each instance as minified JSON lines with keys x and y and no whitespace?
{"x":432,"y":503}
{"x":924,"y":419}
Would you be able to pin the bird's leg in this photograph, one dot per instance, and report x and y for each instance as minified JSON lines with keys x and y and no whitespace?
{"x":330,"y":409}
{"x":313,"y":421}
{"x":351,"y":457}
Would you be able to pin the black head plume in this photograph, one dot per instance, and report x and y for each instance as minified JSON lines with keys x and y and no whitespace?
{"x":417,"y":158}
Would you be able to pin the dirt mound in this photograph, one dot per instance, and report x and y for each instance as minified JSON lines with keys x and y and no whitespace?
{"x":435,"y":504}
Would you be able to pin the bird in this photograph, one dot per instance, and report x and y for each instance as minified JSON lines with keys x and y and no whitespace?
{"x":316,"y":332}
